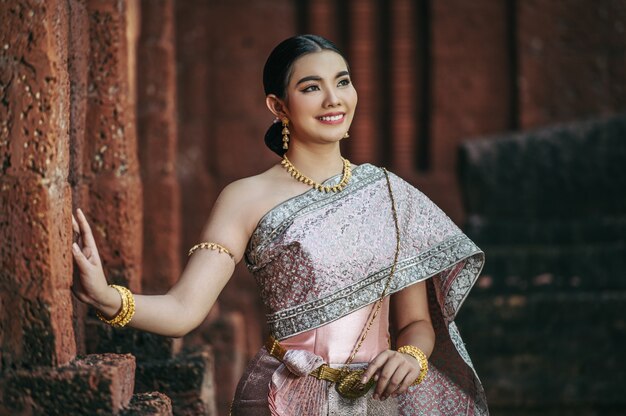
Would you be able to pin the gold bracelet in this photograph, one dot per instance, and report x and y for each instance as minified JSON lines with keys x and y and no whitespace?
{"x":420,"y":357}
{"x":211,"y":246}
{"x":123,"y":317}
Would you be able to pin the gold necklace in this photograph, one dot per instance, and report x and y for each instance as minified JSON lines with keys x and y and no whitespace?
{"x":345,"y":178}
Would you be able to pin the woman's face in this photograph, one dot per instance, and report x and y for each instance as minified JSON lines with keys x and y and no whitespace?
{"x":320,"y":98}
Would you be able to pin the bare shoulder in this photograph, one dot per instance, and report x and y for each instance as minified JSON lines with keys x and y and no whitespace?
{"x":247,"y":190}
{"x":247,"y":199}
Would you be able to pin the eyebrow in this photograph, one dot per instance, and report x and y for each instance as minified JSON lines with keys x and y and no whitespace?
{"x":317,"y":78}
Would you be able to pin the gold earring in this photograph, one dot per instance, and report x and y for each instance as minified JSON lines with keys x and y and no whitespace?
{"x":285,"y":134}
{"x":345,"y":136}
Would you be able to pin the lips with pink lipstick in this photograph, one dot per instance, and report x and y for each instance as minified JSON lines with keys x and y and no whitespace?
{"x":332,"y":118}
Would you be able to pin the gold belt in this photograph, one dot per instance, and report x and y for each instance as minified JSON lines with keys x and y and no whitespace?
{"x":347,"y":382}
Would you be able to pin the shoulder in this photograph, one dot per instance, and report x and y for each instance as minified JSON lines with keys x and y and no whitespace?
{"x":245,"y":200}
{"x":247,"y":189}
{"x":234,"y":213}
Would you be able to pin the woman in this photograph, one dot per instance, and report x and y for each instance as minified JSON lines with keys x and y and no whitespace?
{"x":338,"y":251}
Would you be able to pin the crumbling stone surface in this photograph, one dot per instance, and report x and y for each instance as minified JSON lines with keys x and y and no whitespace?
{"x":149,"y":404}
{"x":91,"y":385}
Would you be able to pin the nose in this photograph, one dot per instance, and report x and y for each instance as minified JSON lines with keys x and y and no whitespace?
{"x":331,"y":99}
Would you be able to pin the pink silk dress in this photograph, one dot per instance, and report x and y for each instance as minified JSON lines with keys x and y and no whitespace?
{"x":334,"y":342}
{"x":321,"y":261}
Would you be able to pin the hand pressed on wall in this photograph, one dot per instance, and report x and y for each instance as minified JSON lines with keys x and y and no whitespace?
{"x":90,"y":286}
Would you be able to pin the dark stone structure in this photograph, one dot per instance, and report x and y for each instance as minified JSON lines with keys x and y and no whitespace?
{"x":549,"y":209}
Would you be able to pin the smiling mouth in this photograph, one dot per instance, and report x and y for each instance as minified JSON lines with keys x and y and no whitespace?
{"x":332,"y":118}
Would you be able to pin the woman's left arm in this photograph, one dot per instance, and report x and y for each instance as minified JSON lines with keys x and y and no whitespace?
{"x":395,"y":371}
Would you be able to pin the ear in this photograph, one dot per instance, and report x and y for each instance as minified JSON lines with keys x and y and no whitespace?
{"x":276,"y":106}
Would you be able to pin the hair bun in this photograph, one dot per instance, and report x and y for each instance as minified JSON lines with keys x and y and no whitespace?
{"x":274,"y":138}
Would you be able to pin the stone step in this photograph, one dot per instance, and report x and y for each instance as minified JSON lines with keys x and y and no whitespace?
{"x":557,"y":349}
{"x":149,"y":404}
{"x":187,"y":379}
{"x":514,"y":323}
{"x":539,"y":381}
{"x":96,"y":384}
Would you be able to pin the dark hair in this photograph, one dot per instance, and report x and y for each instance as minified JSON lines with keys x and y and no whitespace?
{"x":277,"y":72}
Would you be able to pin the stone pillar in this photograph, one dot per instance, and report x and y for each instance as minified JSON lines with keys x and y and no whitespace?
{"x":363,"y":51}
{"x":35,"y":210}
{"x":186,"y":378}
{"x":197,"y":186}
{"x":405,"y":77}
{"x":470,"y":64}
{"x":322,"y":19}
{"x":110,"y":181}
{"x":78,"y":69}
{"x":471,"y":82}
{"x":108,"y":185}
{"x":157,"y":136}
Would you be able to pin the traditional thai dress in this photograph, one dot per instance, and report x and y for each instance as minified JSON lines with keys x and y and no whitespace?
{"x":321,"y":261}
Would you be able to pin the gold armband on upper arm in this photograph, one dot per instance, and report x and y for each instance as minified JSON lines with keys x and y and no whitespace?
{"x":211,"y":246}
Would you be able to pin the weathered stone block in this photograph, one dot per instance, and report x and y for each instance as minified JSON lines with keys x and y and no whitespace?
{"x":91,"y":385}
{"x":149,"y":404}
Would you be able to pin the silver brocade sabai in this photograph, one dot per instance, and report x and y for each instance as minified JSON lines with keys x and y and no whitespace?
{"x":318,"y":258}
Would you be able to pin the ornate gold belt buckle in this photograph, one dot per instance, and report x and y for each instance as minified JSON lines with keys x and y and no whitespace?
{"x":350,"y":386}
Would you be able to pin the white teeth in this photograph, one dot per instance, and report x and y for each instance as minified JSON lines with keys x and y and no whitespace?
{"x":332,"y":118}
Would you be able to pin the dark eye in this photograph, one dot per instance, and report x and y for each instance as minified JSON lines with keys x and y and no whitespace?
{"x":344,"y":82}
{"x":311,"y":88}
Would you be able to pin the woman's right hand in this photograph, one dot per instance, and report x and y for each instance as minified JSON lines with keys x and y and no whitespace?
{"x":90,"y":284}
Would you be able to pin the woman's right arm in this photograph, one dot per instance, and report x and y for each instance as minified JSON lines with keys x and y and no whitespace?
{"x":188,"y":302}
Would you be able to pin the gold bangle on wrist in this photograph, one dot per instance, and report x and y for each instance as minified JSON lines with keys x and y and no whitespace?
{"x":420,"y":357}
{"x":123,"y":317}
